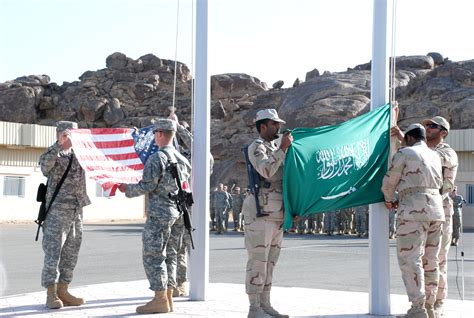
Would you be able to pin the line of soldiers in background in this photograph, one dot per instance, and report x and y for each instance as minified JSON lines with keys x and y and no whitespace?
{"x":223,"y":203}
{"x":350,"y":221}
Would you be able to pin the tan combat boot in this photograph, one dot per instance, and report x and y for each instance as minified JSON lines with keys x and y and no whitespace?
{"x":267,"y":307}
{"x":158,"y":305}
{"x":169,"y":295}
{"x":430,"y":311}
{"x":417,"y":311}
{"x":67,"y":298}
{"x":180,"y":290}
{"x":255,"y":311}
{"x":438,"y":307}
{"x":52,"y":300}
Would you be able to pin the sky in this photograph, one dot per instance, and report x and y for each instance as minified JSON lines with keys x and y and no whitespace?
{"x":269,"y":39}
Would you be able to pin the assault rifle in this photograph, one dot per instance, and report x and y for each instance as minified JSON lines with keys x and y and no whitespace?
{"x":183,"y":199}
{"x":255,"y":179}
{"x":41,"y":197}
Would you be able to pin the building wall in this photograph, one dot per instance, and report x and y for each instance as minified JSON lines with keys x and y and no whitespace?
{"x":462,"y":141}
{"x":26,"y":208}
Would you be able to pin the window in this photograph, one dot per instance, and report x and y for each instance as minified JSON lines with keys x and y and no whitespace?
{"x":99,"y":192}
{"x":470,"y":194}
{"x":14,"y":186}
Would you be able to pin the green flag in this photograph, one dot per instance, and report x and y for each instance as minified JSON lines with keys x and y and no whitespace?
{"x":334,"y":167}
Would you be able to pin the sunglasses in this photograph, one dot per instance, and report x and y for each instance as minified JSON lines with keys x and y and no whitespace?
{"x":435,"y":126}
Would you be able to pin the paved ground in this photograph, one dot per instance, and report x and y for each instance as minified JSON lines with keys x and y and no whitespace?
{"x":223,"y":300}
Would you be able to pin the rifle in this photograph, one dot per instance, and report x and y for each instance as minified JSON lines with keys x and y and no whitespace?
{"x":41,"y":197}
{"x":254,"y":180}
{"x":183,"y":200}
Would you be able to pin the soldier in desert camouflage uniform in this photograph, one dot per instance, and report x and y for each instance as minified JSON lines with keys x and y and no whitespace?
{"x":437,"y":128}
{"x":416,"y":173}
{"x":62,"y":229}
{"x":264,"y":235}
{"x":159,"y":235}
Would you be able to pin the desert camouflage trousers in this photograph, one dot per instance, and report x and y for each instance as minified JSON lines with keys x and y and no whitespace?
{"x":447,"y":230}
{"x":263,"y":239}
{"x":62,"y":237}
{"x":418,"y":245}
{"x":159,"y":252}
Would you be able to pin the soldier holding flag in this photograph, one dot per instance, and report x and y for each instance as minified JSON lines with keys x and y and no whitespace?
{"x":264,"y":234}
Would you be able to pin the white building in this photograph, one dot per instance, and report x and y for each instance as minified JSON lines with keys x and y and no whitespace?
{"x":462,"y":141}
{"x":20,"y":148}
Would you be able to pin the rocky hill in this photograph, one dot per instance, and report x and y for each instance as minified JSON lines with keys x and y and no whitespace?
{"x":133,"y":92}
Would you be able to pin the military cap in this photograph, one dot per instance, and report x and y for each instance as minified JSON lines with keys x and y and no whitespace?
{"x":164,"y":124}
{"x":269,"y":113}
{"x":437,"y":120}
{"x":65,"y":125}
{"x":415,"y":126}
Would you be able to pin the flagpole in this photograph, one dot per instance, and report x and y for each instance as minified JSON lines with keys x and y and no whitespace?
{"x":379,"y":267}
{"x":199,"y":258}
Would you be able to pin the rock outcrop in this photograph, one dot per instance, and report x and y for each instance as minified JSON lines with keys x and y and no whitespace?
{"x":133,"y":92}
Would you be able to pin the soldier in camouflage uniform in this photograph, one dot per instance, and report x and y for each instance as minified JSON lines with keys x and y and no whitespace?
{"x":318,"y":222}
{"x":264,"y":235}
{"x":360,"y":213}
{"x":212,"y":198}
{"x":62,"y":229}
{"x":416,"y":173}
{"x":437,"y":128}
{"x":347,"y":219}
{"x":458,"y":202}
{"x":237,"y":201}
{"x":229,"y":209}
{"x":160,"y":237}
{"x":222,"y":204}
{"x":330,"y":222}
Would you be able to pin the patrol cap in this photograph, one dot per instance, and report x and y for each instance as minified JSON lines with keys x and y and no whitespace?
{"x":164,"y":124}
{"x":415,"y":126}
{"x":439,"y":121}
{"x":269,"y":113}
{"x":64,"y":125}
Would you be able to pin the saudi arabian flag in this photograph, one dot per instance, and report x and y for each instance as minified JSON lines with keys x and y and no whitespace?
{"x":334,"y":167}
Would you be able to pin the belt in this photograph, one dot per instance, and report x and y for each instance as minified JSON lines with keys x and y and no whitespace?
{"x":413,"y":190}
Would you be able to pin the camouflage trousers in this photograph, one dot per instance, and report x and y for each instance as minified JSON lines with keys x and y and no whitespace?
{"x":160,"y":241}
{"x":212,"y":213}
{"x":329,"y":221}
{"x":457,"y":223}
{"x":183,"y":254}
{"x":221,"y":219}
{"x":418,"y":245}
{"x":319,"y":222}
{"x":447,"y":230}
{"x":237,"y":217}
{"x":62,"y":237}
{"x":360,"y":223}
{"x":263,"y":241}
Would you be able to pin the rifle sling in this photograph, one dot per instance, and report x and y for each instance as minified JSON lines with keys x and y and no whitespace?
{"x":58,"y":187}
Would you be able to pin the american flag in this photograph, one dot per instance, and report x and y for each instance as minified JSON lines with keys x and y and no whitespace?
{"x":113,"y":155}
